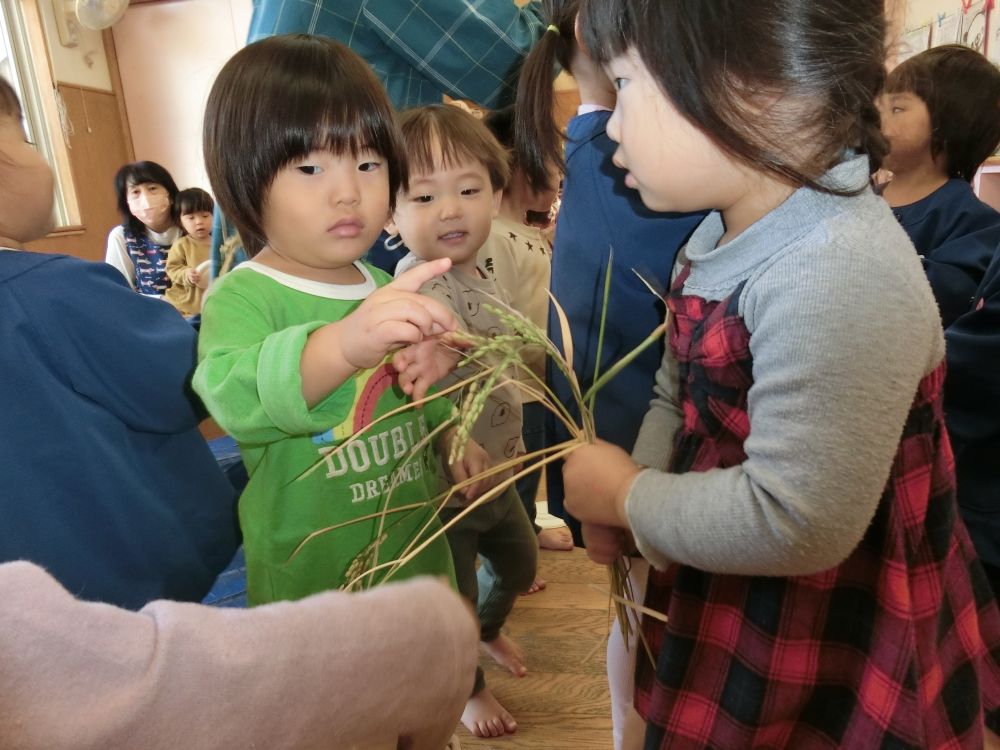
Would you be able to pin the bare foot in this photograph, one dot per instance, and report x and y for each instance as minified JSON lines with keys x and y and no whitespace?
{"x":506,"y":653}
{"x":537,"y":585}
{"x":485,"y":717}
{"x":558,"y":539}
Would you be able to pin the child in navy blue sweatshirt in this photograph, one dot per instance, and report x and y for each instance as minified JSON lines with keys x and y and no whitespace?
{"x":940,"y":114}
{"x":972,"y":409}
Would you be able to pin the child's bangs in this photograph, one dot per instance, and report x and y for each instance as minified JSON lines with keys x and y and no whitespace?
{"x":141,"y":173}
{"x":343,"y":127}
{"x":907,"y":79}
{"x":440,"y":150}
{"x":442,"y":136}
{"x":197,"y":203}
{"x":432,"y":145}
{"x":606,"y":28}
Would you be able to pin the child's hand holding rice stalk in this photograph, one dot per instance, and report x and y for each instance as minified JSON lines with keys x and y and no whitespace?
{"x":494,"y":357}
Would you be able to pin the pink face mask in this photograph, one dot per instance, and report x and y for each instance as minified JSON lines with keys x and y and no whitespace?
{"x":151,"y":210}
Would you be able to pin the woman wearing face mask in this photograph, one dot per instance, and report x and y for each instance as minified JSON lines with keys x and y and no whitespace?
{"x":138,"y":247}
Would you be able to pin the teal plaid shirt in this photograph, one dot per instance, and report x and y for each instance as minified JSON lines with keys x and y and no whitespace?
{"x":420,"y":49}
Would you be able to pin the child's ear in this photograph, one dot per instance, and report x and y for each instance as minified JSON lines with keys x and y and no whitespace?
{"x":391,"y":228}
{"x":497,"y":199}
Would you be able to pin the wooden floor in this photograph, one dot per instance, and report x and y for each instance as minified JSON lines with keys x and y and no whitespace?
{"x":563,"y":702}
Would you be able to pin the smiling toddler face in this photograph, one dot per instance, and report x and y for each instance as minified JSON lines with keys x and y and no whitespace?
{"x":448,"y":212}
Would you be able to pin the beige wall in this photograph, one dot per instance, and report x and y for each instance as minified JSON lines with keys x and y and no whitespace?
{"x":82,"y":65}
{"x":169,"y":54}
{"x":920,"y":12}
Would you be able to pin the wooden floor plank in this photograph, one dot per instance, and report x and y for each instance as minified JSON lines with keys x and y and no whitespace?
{"x":573,"y":596}
{"x":562,"y":703}
{"x":572,"y":567}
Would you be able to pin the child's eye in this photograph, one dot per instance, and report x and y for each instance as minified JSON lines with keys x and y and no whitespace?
{"x":422,"y":198}
{"x":620,"y":83}
{"x":308,"y":169}
{"x":369,"y":166}
{"x":471,"y":191}
{"x":897,"y":110}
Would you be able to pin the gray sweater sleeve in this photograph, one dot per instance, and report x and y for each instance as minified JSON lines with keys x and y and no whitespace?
{"x":655,"y":442}
{"x":840,"y":338}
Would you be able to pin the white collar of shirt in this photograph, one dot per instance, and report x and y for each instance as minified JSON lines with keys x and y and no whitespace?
{"x":585,"y":109}
{"x":315,"y":288}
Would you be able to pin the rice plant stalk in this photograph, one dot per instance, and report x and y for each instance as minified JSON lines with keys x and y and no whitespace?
{"x":493,"y":356}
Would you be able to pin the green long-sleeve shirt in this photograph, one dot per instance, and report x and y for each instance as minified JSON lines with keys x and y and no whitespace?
{"x":254,"y":327}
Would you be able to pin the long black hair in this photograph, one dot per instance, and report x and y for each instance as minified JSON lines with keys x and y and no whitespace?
{"x":538,"y":141}
{"x":785,"y":86}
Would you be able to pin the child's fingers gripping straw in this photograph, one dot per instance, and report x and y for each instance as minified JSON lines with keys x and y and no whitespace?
{"x":604,"y":544}
{"x":474,"y":461}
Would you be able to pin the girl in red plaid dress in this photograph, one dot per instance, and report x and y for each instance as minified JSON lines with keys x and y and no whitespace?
{"x":792,"y":484}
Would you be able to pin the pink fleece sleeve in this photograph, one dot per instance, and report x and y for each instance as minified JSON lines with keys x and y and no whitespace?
{"x":334,"y":670}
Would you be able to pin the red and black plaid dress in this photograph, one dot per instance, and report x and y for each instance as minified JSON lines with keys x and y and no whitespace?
{"x":890,"y":649}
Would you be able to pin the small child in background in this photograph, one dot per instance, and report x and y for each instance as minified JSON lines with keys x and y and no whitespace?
{"x":792,"y":484}
{"x":188,"y":255}
{"x":457,"y":173}
{"x":518,"y":255}
{"x":941,"y":115}
{"x":294,"y":342}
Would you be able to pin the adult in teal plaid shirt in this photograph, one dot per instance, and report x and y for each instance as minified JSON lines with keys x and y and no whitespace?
{"x":421,"y":49}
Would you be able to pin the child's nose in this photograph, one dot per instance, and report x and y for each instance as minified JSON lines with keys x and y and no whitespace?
{"x":450,"y":208}
{"x":347,"y":192}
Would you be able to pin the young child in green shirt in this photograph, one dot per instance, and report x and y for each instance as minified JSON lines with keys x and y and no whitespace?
{"x":304,"y":157}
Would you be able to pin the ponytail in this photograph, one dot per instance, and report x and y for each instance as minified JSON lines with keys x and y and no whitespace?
{"x":538,"y":141}
{"x":870,"y":138}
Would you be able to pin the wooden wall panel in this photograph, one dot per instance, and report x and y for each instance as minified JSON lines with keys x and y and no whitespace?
{"x":97,"y":149}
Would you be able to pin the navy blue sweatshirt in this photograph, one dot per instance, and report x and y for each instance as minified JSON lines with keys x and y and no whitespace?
{"x":955,"y":234}
{"x":972,"y":409}
{"x":107,"y":482}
